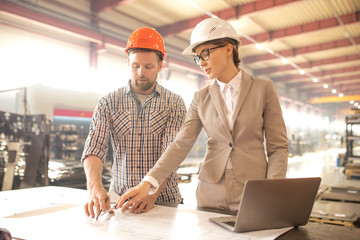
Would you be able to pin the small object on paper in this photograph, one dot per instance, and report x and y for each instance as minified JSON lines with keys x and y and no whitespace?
{"x":102,"y":213}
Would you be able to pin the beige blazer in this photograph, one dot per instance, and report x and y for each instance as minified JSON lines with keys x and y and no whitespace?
{"x":257,"y":115}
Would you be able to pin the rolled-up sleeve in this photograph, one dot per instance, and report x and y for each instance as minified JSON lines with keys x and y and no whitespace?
{"x":176,"y":119}
{"x":97,"y":141}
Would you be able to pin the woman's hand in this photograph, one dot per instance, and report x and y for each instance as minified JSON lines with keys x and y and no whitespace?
{"x":137,"y":198}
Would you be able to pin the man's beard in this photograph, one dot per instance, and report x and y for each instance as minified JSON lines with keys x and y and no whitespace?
{"x":144,"y":86}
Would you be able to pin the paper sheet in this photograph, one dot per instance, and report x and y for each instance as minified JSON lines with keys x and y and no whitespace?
{"x":58,"y":213}
{"x":160,"y":223}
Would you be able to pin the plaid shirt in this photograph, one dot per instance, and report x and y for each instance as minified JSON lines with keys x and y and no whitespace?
{"x":139,"y":135}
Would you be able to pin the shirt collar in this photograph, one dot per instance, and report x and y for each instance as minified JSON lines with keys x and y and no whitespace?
{"x":234,"y":83}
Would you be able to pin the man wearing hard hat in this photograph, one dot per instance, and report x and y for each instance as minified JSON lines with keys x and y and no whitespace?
{"x":142,"y":119}
{"x":239,"y":113}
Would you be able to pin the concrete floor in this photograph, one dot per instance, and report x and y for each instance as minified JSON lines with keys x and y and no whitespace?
{"x":315,"y":164}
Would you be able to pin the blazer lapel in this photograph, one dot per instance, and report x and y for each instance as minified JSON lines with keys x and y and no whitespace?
{"x":245,"y":85}
{"x":219,"y":104}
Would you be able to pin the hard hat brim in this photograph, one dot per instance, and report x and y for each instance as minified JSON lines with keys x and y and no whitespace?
{"x":189,"y":49}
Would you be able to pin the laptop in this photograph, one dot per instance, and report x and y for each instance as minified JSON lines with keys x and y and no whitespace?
{"x":273,"y":203}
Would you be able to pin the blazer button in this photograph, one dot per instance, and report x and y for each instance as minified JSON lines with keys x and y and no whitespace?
{"x":230,"y":144}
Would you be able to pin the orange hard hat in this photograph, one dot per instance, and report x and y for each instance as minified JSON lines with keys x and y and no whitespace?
{"x":147,"y":38}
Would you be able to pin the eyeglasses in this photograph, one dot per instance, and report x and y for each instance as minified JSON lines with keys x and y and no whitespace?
{"x":205,"y":54}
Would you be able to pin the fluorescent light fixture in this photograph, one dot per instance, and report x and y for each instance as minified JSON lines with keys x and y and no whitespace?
{"x":351,"y":101}
{"x":284,"y":61}
{"x":301,"y":71}
{"x":341,"y":94}
{"x":259,"y":46}
{"x":356,"y":104}
{"x":333,"y":91}
{"x":325,"y":86}
{"x":315,"y":79}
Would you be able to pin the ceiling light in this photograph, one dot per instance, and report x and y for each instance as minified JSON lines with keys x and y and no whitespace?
{"x":284,"y":61}
{"x":259,"y":46}
{"x":352,"y":101}
{"x":356,"y":104}
{"x":315,"y":79}
{"x":341,"y":94}
{"x":325,"y":86}
{"x":333,"y":91}
{"x":302,"y":72}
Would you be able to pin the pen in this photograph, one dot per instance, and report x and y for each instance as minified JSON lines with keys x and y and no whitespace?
{"x":98,"y":215}
{"x":104,"y":212}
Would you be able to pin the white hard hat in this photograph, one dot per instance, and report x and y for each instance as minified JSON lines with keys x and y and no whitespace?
{"x":210,"y":29}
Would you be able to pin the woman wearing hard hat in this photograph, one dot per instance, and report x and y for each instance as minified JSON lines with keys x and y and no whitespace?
{"x":238,"y":112}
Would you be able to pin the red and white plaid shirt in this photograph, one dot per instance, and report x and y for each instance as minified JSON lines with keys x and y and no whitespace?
{"x":139,"y":135}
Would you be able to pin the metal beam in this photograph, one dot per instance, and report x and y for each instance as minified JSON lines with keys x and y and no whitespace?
{"x":91,"y":35}
{"x":330,"y":80}
{"x":304,"y":28}
{"x":58,"y":24}
{"x":323,"y":93}
{"x":292,"y":82}
{"x":98,"y":6}
{"x":309,"y":64}
{"x":262,"y":37}
{"x":226,"y":14}
{"x":329,"y":94}
{"x":333,"y":99}
{"x":355,"y":87}
{"x":316,"y":74}
{"x":336,"y":85}
{"x":302,"y":50}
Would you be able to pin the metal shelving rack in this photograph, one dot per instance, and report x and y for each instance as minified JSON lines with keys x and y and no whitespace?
{"x":352,"y":156}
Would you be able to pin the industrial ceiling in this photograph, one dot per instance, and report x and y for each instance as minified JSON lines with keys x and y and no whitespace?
{"x":309,"y":48}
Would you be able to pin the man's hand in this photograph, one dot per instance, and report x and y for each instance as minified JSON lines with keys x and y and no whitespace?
{"x":98,"y":199}
{"x":137,"y":198}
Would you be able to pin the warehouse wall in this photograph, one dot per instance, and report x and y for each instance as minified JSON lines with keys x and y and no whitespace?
{"x":43,"y":100}
{"x":56,"y":73}
{"x":29,"y":58}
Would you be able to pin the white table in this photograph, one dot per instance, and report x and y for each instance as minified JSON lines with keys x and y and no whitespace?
{"x":57,"y":213}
